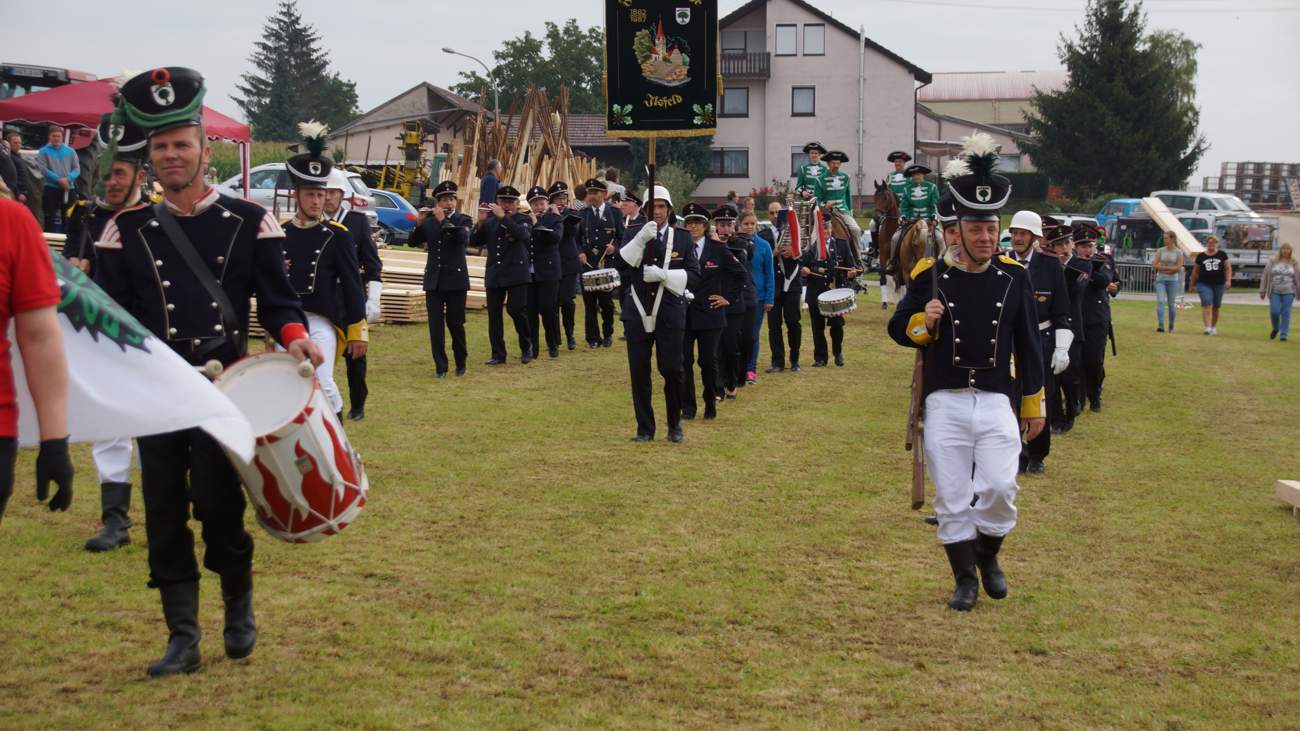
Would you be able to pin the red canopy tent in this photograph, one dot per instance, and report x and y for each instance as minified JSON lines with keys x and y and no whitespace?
{"x":80,"y":105}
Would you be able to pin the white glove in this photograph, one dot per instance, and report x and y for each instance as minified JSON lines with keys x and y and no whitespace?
{"x":373,"y":292}
{"x":1061,"y":356}
{"x":653,"y":274}
{"x":633,"y":250}
{"x":675,"y":281}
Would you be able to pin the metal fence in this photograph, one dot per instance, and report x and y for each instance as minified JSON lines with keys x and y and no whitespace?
{"x":1137,"y":277}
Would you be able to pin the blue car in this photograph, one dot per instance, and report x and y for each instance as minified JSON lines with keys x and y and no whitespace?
{"x":397,"y":217}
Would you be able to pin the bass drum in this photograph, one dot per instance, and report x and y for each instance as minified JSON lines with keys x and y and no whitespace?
{"x":305,"y":481}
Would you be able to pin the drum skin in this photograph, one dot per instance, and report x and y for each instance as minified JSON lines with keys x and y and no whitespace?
{"x":837,"y":302}
{"x":600,"y":280}
{"x":305,"y":481}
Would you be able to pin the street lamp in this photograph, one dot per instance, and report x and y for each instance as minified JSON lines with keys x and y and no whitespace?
{"x":496,"y":102}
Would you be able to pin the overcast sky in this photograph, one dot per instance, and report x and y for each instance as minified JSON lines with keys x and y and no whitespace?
{"x":1247,"y":91}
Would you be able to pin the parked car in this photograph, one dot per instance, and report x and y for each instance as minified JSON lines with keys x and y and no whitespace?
{"x":1069,"y":219}
{"x":268,"y":184}
{"x":397,"y":217}
{"x":1116,"y":208}
{"x":1186,"y":200}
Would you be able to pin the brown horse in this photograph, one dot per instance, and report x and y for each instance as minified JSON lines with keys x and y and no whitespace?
{"x":914,"y":243}
{"x":886,"y":204}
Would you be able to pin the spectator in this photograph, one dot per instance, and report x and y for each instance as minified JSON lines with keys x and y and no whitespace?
{"x":211,"y":177}
{"x":8,"y":173}
{"x":31,"y":294}
{"x":747,"y":206}
{"x":13,"y":153}
{"x":487,"y":188}
{"x":1168,"y":265}
{"x":612,"y":184}
{"x":764,"y":273}
{"x":1279,"y":288}
{"x":733,"y":198}
{"x":59,"y":169}
{"x":1211,"y":276}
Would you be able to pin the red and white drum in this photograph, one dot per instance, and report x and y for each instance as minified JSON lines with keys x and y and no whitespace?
{"x":305,"y":481}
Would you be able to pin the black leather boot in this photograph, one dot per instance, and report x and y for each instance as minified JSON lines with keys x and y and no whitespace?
{"x":991,"y":576}
{"x":240,"y":633}
{"x":115,"y":497}
{"x":961,"y":556}
{"x":180,"y":604}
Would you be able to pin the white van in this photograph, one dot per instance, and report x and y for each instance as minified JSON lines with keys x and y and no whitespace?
{"x":1186,"y":200}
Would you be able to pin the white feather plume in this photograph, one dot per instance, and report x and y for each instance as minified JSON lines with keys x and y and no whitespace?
{"x":955,"y":168}
{"x":979,"y":145}
{"x":123,"y":76}
{"x":312,"y":130}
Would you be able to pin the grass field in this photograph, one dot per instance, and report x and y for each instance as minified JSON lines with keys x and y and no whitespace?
{"x":521,"y":564}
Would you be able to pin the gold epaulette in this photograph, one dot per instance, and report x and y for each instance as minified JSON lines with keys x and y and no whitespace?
{"x":922,"y":266}
{"x":1008,"y":260}
{"x":336,"y":224}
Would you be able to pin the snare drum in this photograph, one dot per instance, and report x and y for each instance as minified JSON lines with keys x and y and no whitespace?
{"x":836,"y":302}
{"x":600,"y":280}
{"x":305,"y":481}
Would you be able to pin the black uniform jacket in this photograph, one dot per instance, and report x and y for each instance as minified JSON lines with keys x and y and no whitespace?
{"x":839,"y":255}
{"x":988,"y":316}
{"x":544,"y":248}
{"x":569,"y":241}
{"x":322,"y":262}
{"x":242,"y":245}
{"x":599,"y":230}
{"x":445,"y":269}
{"x":86,"y":223}
{"x":788,"y":278}
{"x":735,"y":282}
{"x":367,"y":253}
{"x":673,"y":245}
{"x":1077,"y":273}
{"x":1051,"y":296}
{"x":717,"y":265}
{"x":1096,"y":300}
{"x":506,"y":240}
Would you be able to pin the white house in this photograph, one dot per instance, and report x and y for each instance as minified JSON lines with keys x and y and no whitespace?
{"x":790,"y":75}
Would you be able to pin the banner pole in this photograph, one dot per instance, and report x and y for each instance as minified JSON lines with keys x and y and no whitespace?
{"x":648,"y":257}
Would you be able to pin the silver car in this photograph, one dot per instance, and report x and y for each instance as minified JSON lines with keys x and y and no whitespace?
{"x":268,"y":184}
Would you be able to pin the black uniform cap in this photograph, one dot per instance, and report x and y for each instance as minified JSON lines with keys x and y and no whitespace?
{"x":131,"y":139}
{"x":508,"y":192}
{"x":446,"y":187}
{"x":559,"y":187}
{"x":164,"y":98}
{"x":898,"y":155}
{"x":1083,"y":233}
{"x":911,"y":170}
{"x":537,"y":191}
{"x":725,"y":212}
{"x":814,"y":146}
{"x":835,"y":156}
{"x":630,"y":196}
{"x":695,"y":210}
{"x":595,"y":184}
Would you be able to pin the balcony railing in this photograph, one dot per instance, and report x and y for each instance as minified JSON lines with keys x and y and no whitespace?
{"x":746,"y":65}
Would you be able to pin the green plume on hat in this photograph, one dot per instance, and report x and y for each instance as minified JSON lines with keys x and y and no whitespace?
{"x":313,"y":137}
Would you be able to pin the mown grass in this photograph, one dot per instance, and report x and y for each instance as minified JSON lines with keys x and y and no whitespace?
{"x":521,"y":564}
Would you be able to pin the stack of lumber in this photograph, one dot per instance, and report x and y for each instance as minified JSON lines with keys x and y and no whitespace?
{"x":532,"y":146}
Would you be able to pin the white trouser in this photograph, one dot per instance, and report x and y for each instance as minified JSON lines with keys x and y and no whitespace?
{"x":113,"y":459}
{"x":965,"y":428}
{"x":321,"y":331}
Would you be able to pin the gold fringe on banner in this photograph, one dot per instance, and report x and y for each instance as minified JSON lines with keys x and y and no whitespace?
{"x":702,"y":132}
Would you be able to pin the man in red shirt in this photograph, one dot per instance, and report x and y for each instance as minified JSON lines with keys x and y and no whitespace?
{"x":29,"y":292}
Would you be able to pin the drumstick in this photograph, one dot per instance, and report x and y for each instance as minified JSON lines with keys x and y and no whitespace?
{"x":305,"y":369}
{"x":212,"y":369}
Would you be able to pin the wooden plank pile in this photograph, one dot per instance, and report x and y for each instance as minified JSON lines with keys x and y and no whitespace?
{"x":532,"y":146}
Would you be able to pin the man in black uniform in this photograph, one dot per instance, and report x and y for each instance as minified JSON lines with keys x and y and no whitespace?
{"x":570,"y":268}
{"x":787,"y":301}
{"x":1052,"y":303}
{"x":321,"y":257}
{"x":372,"y":268}
{"x":971,"y":312}
{"x":1070,"y":380}
{"x":706,"y":314}
{"x":630,"y":205}
{"x":826,"y":266}
{"x":143,"y":262}
{"x":738,"y":290}
{"x":657,"y":265}
{"x":1096,"y":312}
{"x":543,"y":292}
{"x":602,"y":231}
{"x":445,"y":234}
{"x":504,"y":235}
{"x":86,"y":222}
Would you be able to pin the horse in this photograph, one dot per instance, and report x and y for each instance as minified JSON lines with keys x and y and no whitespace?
{"x":886,"y":204}
{"x":913,"y":244}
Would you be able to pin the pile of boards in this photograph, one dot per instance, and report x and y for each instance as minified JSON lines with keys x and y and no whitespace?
{"x":532,"y":146}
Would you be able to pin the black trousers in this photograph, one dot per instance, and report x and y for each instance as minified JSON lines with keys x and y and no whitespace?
{"x":54,"y":202}
{"x":357,"y":390}
{"x":819,"y":333}
{"x":1070,"y":385}
{"x":8,"y":458}
{"x":1094,"y":360}
{"x":446,"y":308}
{"x":168,"y":464}
{"x":729,"y":352}
{"x":786,"y":309}
{"x":667,"y":348}
{"x":513,"y":300}
{"x":591,"y":303}
{"x":1040,"y":446}
{"x":543,"y":305}
{"x":705,"y":343}
{"x":567,"y":294}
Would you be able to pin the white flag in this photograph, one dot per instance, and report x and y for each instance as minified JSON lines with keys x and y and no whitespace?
{"x":124,"y":382}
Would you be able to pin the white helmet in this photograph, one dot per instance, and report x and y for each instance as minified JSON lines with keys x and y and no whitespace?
{"x":661,"y":194}
{"x":337,"y":180}
{"x":1027,"y":221}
